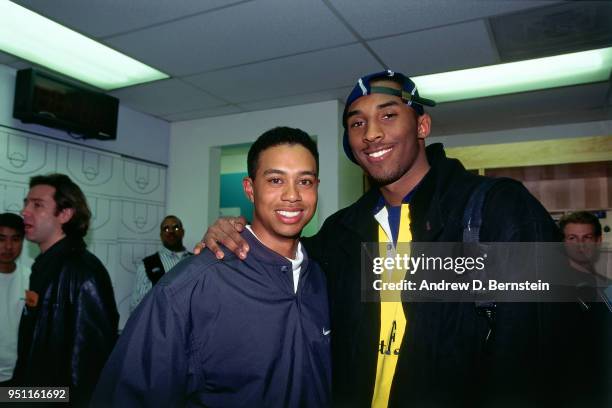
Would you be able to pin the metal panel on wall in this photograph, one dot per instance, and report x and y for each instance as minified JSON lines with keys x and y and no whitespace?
{"x":126,"y":197}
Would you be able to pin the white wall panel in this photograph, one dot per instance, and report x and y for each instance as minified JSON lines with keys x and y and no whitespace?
{"x":126,"y":198}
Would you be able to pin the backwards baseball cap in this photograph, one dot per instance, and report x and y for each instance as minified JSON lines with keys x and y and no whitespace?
{"x":408,"y":93}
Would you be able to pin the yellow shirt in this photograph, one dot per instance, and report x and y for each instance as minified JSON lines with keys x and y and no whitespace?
{"x":392,"y":318}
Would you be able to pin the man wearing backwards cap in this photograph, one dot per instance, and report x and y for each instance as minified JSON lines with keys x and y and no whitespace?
{"x":417,"y":354}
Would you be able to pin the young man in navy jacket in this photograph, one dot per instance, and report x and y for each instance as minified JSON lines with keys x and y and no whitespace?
{"x":235,"y":333}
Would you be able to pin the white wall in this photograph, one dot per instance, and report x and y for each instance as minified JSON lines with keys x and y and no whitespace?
{"x":193,"y":172}
{"x":138,"y":135}
{"x":126,"y":195}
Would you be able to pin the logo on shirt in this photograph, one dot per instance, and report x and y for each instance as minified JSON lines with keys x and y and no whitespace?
{"x":385,"y":348}
{"x":31,"y":298}
{"x":326,"y":332}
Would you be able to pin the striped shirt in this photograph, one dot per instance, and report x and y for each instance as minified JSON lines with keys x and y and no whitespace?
{"x":143,"y":284}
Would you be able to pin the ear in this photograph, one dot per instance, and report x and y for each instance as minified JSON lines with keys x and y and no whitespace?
{"x":65,"y":215}
{"x":423,"y":126}
{"x":247,"y":185}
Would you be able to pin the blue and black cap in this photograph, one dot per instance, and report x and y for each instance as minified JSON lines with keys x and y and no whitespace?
{"x":408,"y":93}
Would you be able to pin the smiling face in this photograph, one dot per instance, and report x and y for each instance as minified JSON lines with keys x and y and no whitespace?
{"x":43,"y":223}
{"x":284,"y":195}
{"x":387,"y":137}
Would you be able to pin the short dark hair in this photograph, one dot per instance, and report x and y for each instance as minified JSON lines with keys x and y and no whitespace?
{"x":581,"y":217}
{"x":13,"y":221}
{"x":171,"y":216}
{"x":67,"y":195}
{"x":280,"y":136}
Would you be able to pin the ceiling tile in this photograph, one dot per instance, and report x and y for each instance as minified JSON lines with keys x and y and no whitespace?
{"x":372,"y":20}
{"x":166,"y":97}
{"x":264,"y":54}
{"x":299,"y":74}
{"x":249,"y":32}
{"x":522,"y":110}
{"x":328,"y":95}
{"x":569,"y":27}
{"x":203,"y":113}
{"x":458,"y":46}
{"x":101,"y":18}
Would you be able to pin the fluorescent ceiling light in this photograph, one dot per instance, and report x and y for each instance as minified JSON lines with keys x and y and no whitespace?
{"x":35,"y":38}
{"x":529,"y":75}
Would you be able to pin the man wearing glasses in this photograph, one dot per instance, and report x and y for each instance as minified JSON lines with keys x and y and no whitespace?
{"x":153,"y":267}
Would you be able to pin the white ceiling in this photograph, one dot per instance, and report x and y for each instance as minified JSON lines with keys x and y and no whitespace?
{"x":229,"y":56}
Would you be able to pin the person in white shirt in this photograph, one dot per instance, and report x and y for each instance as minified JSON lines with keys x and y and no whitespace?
{"x":13,"y":284}
{"x":154,"y":266}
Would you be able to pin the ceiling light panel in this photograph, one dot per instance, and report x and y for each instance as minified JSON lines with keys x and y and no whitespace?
{"x":529,"y":75}
{"x":35,"y":38}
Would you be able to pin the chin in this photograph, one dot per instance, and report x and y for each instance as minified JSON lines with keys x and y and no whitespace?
{"x":383,"y":180}
{"x":290,"y":231}
{"x":380,"y":176}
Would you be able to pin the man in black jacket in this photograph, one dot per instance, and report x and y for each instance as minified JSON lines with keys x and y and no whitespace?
{"x":442,"y":355}
{"x":69,"y":325}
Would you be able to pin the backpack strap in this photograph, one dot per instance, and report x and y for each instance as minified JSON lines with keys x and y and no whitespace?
{"x":472,"y":222}
{"x":154,"y":267}
{"x":472,"y":215}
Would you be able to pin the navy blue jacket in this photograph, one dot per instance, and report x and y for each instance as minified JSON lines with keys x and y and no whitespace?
{"x":225,"y":333}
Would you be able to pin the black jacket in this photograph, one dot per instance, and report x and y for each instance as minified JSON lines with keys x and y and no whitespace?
{"x":66,"y":338}
{"x":443,"y":361}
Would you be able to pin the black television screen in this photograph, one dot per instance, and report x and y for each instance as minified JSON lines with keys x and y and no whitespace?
{"x":50,"y":100}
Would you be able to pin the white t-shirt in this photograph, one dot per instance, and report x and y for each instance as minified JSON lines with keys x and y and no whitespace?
{"x":12,"y":298}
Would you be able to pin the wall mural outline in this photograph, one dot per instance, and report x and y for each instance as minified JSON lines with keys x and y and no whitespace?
{"x":126,"y":197}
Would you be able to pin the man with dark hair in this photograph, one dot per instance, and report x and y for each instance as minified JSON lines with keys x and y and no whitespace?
{"x":278,"y":136}
{"x":154,"y":266}
{"x":13,"y":283}
{"x":582,"y":236}
{"x":232,"y":333}
{"x":69,"y":324}
{"x":586,"y":328}
{"x":571,"y":221}
{"x":418,"y":354}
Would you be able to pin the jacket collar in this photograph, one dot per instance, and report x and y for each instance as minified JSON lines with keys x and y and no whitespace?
{"x":445,"y":189}
{"x":181,"y":254}
{"x":48,"y":264}
{"x":359,"y":217}
{"x":263,"y":254}
{"x":426,"y":214}
{"x":64,"y":245}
